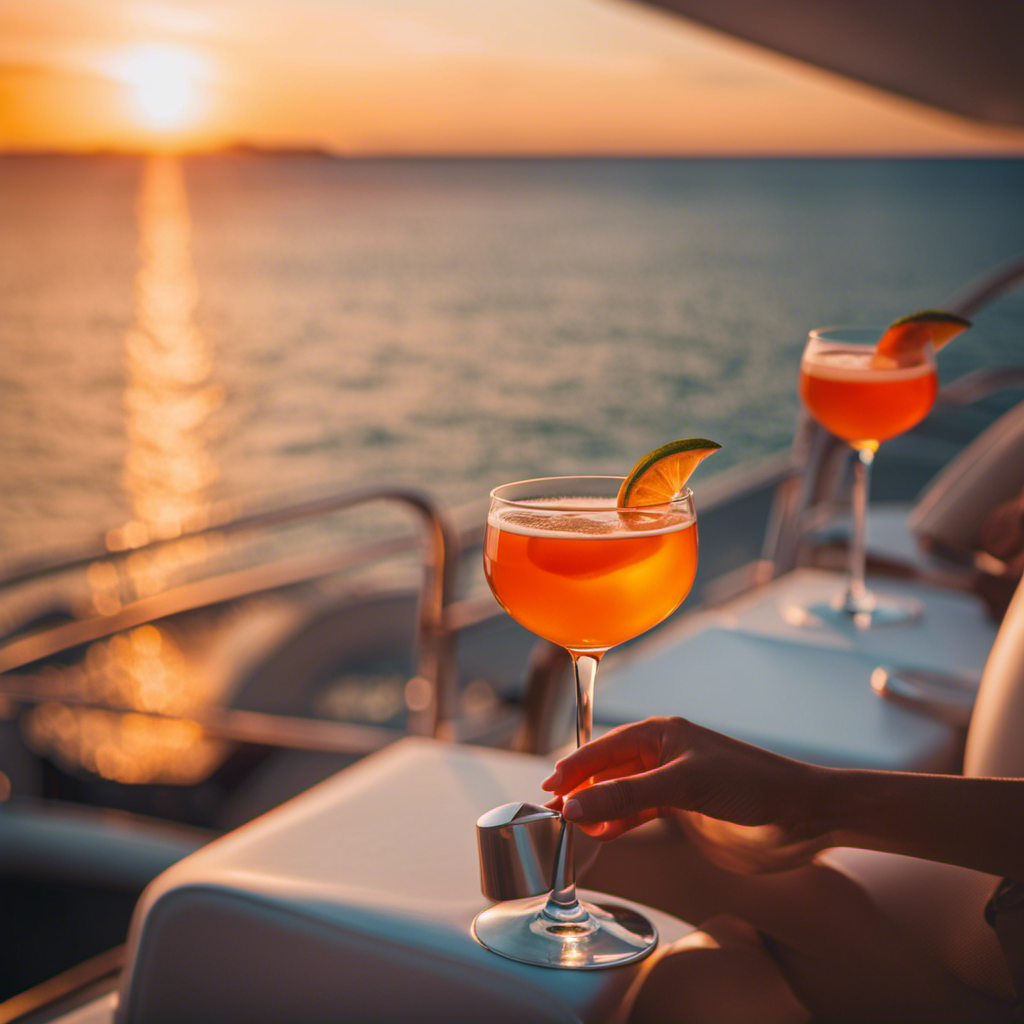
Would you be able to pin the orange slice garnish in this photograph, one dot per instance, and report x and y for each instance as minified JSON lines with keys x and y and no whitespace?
{"x":904,"y":341}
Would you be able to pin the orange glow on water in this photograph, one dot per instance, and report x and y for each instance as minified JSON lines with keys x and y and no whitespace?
{"x":170,"y":399}
{"x":143,"y":669}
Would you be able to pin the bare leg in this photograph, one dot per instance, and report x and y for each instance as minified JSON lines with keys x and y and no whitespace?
{"x":721,"y":974}
{"x":842,"y":956}
{"x":938,"y":907}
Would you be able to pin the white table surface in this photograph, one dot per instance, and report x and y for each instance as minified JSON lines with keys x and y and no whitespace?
{"x":376,"y":871}
{"x":952,"y":636}
{"x":760,"y":669}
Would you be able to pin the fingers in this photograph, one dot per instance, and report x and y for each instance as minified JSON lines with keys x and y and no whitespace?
{"x":621,"y":799}
{"x":627,"y":748}
{"x":608,"y":830}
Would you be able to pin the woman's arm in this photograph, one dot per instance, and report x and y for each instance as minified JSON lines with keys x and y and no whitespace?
{"x":651,"y":768}
{"x":973,"y":822}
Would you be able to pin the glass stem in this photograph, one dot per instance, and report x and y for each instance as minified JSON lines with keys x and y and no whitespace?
{"x":858,"y":597}
{"x":584,"y":667}
{"x":562,"y":904}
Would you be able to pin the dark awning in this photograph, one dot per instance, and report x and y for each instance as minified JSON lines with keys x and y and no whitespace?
{"x":962,"y":56}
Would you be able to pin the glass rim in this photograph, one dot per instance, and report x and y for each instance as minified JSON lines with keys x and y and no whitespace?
{"x":856,"y":338}
{"x":685,"y":496}
{"x":856,"y":334}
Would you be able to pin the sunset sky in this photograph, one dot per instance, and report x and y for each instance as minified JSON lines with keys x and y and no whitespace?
{"x":431,"y":76}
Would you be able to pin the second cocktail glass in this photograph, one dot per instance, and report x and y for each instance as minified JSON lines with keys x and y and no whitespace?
{"x":570,"y":566}
{"x":864,"y":401}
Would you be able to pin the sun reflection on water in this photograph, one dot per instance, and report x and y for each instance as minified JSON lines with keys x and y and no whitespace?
{"x":170,"y":400}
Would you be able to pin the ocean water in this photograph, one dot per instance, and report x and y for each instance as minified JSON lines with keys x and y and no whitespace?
{"x":248,"y":324}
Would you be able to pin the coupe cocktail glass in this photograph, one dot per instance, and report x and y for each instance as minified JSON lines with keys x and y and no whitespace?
{"x":864,"y":401}
{"x":568,"y":565}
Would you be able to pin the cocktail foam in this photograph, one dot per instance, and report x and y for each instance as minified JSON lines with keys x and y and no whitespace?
{"x":858,"y":366}
{"x":586,"y":518}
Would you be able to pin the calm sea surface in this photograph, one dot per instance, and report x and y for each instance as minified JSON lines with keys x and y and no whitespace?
{"x":244,"y":325}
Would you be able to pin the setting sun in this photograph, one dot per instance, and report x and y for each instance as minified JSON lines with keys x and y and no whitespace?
{"x":166,"y":84}
{"x":438,"y":77}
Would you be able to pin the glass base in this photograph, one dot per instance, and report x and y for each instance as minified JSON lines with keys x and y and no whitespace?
{"x":603,"y":935}
{"x":870,"y":612}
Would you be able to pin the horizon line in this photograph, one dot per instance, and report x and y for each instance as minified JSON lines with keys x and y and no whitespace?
{"x":326,"y":152}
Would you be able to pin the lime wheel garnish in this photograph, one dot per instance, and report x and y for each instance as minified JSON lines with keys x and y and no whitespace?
{"x":660,"y":475}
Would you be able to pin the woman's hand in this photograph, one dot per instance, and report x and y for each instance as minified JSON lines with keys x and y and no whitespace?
{"x":768,"y":811}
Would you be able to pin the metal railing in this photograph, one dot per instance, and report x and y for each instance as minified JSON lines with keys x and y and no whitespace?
{"x":430,"y":693}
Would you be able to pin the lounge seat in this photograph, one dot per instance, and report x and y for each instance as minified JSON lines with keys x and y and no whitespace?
{"x":942,"y":906}
{"x":69,"y":879}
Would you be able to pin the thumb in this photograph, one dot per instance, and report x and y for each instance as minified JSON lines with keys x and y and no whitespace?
{"x":616,"y":798}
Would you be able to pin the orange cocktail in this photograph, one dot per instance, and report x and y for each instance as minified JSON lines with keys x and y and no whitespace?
{"x":569,"y":565}
{"x":865,"y":397}
{"x":590,"y":580}
{"x":861,"y":403}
